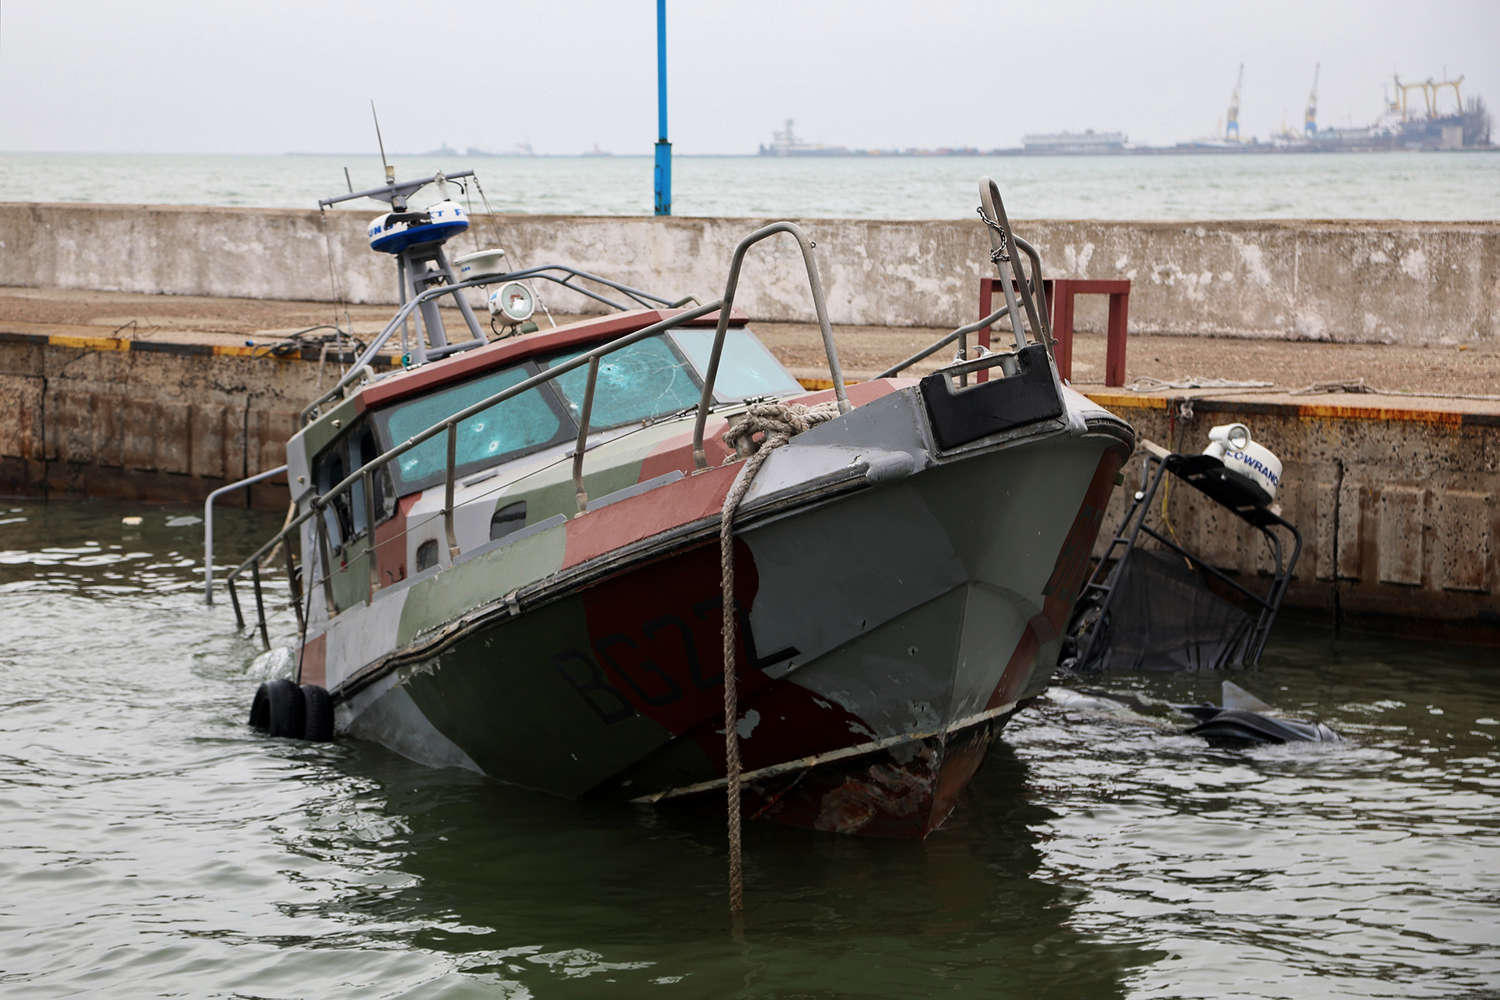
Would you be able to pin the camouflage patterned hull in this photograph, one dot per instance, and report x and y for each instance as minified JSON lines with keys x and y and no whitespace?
{"x":897,"y":603}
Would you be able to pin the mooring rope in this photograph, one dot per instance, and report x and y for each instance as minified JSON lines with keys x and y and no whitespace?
{"x":1148,"y":383}
{"x":1359,"y":385}
{"x":777,"y":423}
{"x":338,"y":288}
{"x":495,"y":229}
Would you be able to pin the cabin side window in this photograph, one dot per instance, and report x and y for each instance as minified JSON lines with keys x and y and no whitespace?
{"x":345,"y":517}
{"x":328,"y":470}
{"x":364,"y":449}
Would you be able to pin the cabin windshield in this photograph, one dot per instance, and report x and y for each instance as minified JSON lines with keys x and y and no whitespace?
{"x":746,"y":369}
{"x":644,"y":380}
{"x":651,"y":378}
{"x":509,"y":429}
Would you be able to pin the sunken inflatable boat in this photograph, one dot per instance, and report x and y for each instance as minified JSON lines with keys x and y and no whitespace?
{"x":511,"y":558}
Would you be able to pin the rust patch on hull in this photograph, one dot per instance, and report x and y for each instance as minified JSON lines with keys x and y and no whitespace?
{"x":904,"y":792}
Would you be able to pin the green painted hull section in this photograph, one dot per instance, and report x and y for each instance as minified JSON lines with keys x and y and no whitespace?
{"x":439,"y":599}
{"x":527,"y":708}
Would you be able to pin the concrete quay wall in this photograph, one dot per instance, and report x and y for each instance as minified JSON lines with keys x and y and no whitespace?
{"x":87,"y":419}
{"x":1399,"y":510}
{"x":1380,"y":282}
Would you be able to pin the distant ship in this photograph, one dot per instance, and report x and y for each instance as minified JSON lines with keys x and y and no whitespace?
{"x":785,"y":142}
{"x":447,"y":152}
{"x":1087,"y":141}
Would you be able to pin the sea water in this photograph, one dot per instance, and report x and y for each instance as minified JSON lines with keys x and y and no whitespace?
{"x":152,"y":844}
{"x":1394,"y":185}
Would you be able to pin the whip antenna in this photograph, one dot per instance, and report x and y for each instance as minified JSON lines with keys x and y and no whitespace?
{"x":390,"y":171}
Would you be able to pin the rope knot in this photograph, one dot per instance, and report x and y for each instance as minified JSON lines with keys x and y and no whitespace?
{"x":775,"y":423}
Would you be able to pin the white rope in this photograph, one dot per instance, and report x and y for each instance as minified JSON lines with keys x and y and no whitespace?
{"x":776,"y":423}
{"x":1147,"y":383}
{"x":1359,"y":385}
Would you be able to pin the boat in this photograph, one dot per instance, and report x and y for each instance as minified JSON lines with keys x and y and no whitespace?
{"x":514,"y":554}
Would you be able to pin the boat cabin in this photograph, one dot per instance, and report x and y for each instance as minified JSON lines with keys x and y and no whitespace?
{"x":512,"y":459}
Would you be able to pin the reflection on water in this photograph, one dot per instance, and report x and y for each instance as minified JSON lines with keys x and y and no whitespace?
{"x":151,"y":844}
{"x":558,"y":897}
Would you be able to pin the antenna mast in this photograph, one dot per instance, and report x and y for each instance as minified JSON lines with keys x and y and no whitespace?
{"x":390,"y":171}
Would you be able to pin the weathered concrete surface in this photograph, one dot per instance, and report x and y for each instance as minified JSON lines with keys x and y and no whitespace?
{"x":228,"y":325}
{"x":76,"y":421}
{"x":1399,"y":509}
{"x":1382,"y":282}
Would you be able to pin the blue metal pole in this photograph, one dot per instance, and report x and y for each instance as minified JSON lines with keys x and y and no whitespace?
{"x":663,"y":147}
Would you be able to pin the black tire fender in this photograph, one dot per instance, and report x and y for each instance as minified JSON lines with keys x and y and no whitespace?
{"x":317,"y":724}
{"x":286,"y":713}
{"x":260,"y":710}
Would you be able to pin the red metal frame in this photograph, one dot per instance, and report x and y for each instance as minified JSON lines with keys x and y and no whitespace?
{"x":1060,"y":293}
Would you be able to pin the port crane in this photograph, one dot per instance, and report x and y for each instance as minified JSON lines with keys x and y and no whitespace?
{"x":1430,"y":89}
{"x":1458,"y":99}
{"x":1310,"y":116}
{"x":1403,"y":89}
{"x":1232,"y":120}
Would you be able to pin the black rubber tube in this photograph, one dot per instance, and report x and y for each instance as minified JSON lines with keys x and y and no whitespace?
{"x":287,"y":714}
{"x":317,"y":724}
{"x":260,"y":710}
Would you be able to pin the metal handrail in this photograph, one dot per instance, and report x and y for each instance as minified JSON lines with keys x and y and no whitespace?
{"x":730,"y":287}
{"x":1039,"y":287}
{"x":947,"y":338}
{"x":208,"y":525}
{"x":642,"y":298}
{"x":449,"y":425}
{"x":1035,"y":310}
{"x":1002,"y":236}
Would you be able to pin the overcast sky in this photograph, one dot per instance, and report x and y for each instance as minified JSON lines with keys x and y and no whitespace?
{"x":271,"y":76}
